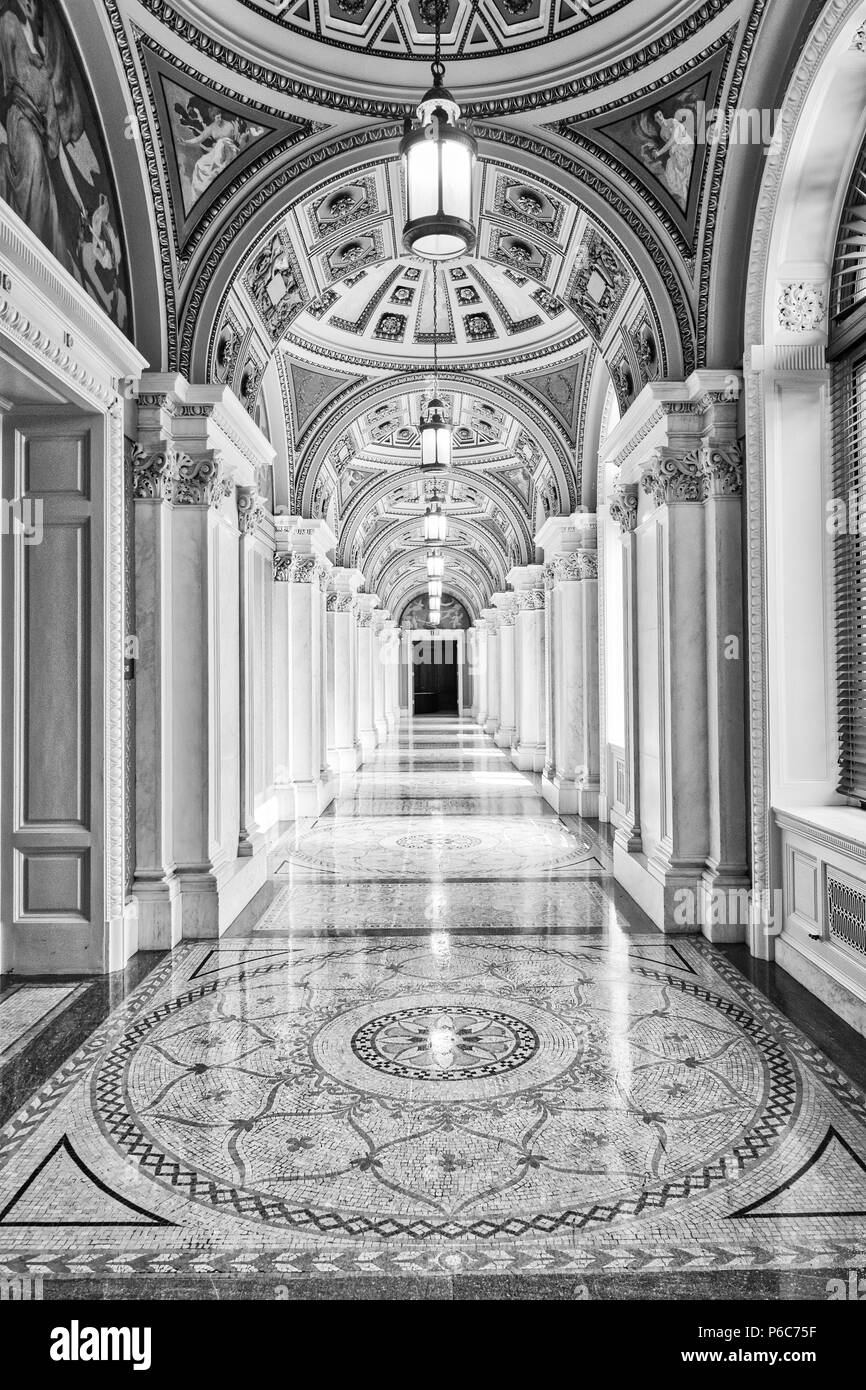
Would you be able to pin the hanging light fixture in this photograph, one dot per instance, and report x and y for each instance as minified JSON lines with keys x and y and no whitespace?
{"x":434,"y":588}
{"x":438,"y":159}
{"x":435,"y":564}
{"x":435,"y":521}
{"x":435,"y":433}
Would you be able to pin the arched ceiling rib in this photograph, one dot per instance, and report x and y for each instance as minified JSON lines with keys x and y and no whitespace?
{"x":281,"y":261}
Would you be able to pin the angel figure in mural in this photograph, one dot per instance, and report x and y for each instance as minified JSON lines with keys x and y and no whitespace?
{"x":220,"y":137}
{"x":670,"y":150}
{"x":49,"y":172}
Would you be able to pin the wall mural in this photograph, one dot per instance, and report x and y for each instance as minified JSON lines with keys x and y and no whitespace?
{"x":207,"y":139}
{"x":54,"y":170}
{"x":416,"y":614}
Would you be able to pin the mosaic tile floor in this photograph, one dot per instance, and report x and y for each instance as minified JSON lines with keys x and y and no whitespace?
{"x":389,"y":1090}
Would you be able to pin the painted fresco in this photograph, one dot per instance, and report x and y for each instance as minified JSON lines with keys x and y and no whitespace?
{"x":53,"y":164}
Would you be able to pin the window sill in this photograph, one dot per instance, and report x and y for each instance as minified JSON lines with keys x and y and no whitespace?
{"x":840,"y":827}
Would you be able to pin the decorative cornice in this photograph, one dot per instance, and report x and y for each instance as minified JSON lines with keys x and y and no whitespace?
{"x":623,"y":507}
{"x":671,"y":476}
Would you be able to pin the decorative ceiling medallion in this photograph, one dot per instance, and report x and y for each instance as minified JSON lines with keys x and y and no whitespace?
{"x":405,"y":30}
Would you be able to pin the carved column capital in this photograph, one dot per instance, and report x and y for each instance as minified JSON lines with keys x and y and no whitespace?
{"x":342,"y":603}
{"x":306,"y":569}
{"x":722,"y":469}
{"x":577,"y":565}
{"x":623,"y":506}
{"x":201,"y":481}
{"x":282,"y":568}
{"x":152,"y":473}
{"x":365,"y":618}
{"x":251,"y":510}
{"x":671,"y":476}
{"x":530,"y":600}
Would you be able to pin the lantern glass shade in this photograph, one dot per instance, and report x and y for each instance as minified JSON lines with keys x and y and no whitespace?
{"x":438,"y":160}
{"x":435,"y":564}
{"x":435,"y":438}
{"x":434,"y":588}
{"x":435,"y":525}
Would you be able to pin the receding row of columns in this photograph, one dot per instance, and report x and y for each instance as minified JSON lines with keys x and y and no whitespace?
{"x":536,"y":666}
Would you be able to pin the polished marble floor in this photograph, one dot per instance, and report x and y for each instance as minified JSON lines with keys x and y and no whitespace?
{"x":449,"y":1054}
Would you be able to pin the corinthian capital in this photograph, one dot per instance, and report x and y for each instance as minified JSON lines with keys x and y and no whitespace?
{"x":579,"y":564}
{"x":722,"y":468}
{"x":342,"y":603}
{"x":282,"y":568}
{"x":306,"y":569}
{"x":671,"y":476}
{"x":623,"y":506}
{"x":251,"y":510}
{"x":152,"y":473}
{"x":530,"y":600}
{"x":200,"y":481}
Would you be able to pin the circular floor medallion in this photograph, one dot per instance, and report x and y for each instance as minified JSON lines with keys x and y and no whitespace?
{"x":443,"y":1044}
{"x":439,"y":844}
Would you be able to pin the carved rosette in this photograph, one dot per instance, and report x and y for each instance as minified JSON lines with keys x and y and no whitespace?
{"x":858,"y":43}
{"x":251,"y":510}
{"x":670,"y":476}
{"x":200,"y":481}
{"x":623,"y":507}
{"x":152,"y":474}
{"x":579,"y":564}
{"x":802,"y":306}
{"x":722,"y":467}
{"x":342,"y":603}
{"x":530,"y":600}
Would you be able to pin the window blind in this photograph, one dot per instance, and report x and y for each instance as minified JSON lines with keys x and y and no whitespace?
{"x":849,"y":549}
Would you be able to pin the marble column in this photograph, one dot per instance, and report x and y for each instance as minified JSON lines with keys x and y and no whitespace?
{"x":571,"y":776}
{"x":256,"y":756}
{"x":672,"y":479}
{"x":726,"y":871}
{"x":201,"y":854}
{"x":623,"y":511}
{"x":529,"y":657}
{"x":491,"y":724}
{"x":309,"y":569}
{"x":481,"y":674}
{"x":506,"y":733}
{"x":389,"y":655}
{"x":344,"y":744}
{"x":380,"y":648}
{"x":367,"y":647}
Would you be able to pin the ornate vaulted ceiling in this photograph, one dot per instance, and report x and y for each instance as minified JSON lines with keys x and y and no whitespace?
{"x":268,"y":132}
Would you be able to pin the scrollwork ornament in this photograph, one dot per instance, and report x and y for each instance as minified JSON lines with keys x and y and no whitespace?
{"x":200,"y":481}
{"x":578,"y":565}
{"x":670,"y":476}
{"x":153,"y":474}
{"x":306,"y":569}
{"x":722,"y":466}
{"x":365,"y":620}
{"x":342,"y":603}
{"x":623,"y":508}
{"x":530,"y":600}
{"x":251,"y":510}
{"x":282,"y":568}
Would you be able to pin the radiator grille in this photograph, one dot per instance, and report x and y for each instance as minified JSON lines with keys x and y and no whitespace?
{"x":846,"y":912}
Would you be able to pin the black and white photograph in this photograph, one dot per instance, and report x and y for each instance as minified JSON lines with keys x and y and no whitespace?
{"x":432,"y":675}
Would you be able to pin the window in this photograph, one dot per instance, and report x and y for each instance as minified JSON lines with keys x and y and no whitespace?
{"x":848,"y":516}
